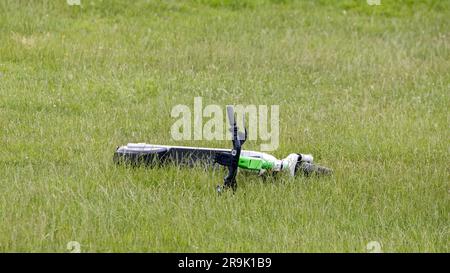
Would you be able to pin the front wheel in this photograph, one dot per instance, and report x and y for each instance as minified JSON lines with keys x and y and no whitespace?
{"x":312,"y":169}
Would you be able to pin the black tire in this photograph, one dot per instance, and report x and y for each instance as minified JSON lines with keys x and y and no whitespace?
{"x":309,"y":169}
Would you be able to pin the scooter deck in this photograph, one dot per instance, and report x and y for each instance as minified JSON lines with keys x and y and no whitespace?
{"x":149,"y":154}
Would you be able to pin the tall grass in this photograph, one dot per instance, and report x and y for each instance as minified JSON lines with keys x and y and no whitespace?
{"x":363,"y":88}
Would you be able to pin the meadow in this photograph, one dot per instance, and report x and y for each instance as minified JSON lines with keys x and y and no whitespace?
{"x":363,"y":88}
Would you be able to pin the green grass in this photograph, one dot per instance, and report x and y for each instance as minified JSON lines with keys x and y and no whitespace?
{"x":365,"y":89}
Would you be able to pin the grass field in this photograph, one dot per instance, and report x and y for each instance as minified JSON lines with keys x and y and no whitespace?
{"x":365,"y":89}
